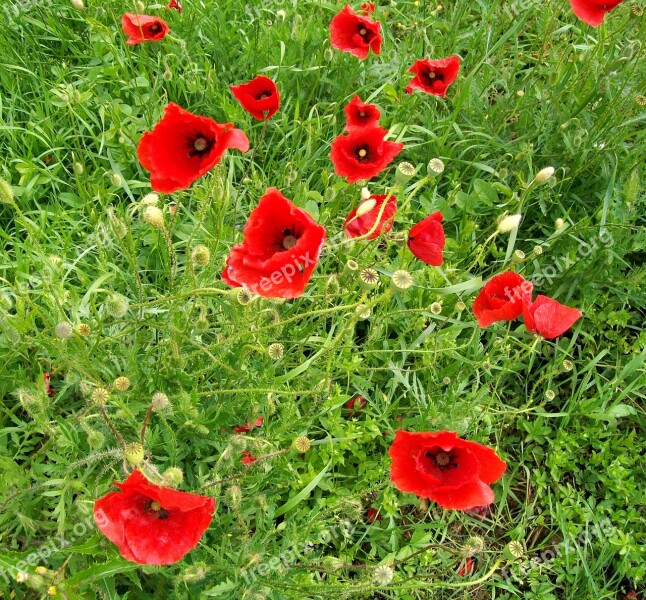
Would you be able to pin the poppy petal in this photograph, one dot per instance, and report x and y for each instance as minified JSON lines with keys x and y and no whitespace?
{"x":549,"y":318}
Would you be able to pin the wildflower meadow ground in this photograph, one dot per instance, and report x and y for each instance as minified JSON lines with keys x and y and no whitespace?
{"x":305,"y":299}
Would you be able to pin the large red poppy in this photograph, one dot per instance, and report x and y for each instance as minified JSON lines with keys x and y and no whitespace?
{"x":592,"y":12}
{"x":259,"y":97}
{"x":150,"y":524}
{"x":281,"y":248}
{"x":363,"y":153}
{"x":434,"y":76}
{"x":356,"y":34}
{"x":547,"y":317}
{"x":501,"y":299}
{"x":360,"y":114}
{"x":143,"y":28}
{"x":182,"y":147}
{"x":374,"y":217}
{"x":426,"y":240}
{"x":442,"y":467}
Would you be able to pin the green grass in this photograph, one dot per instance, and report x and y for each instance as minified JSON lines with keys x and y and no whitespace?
{"x":537,"y":87}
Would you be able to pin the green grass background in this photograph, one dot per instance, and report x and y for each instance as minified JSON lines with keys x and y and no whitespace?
{"x":537,"y":88}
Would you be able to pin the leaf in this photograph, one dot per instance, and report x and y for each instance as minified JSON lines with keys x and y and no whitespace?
{"x":101,"y":571}
{"x":304,"y":493}
{"x":222,"y":588}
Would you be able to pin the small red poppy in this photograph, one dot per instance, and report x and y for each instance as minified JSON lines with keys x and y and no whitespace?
{"x":442,"y":467}
{"x":182,"y":147}
{"x":360,"y":114}
{"x":281,"y":248}
{"x":248,"y":427}
{"x":434,"y":76}
{"x":363,"y":153}
{"x":592,"y":12}
{"x":501,"y":299}
{"x":259,"y":97}
{"x":47,"y":378}
{"x":376,"y":216}
{"x":367,"y":8}
{"x":176,"y":5}
{"x":547,"y":317}
{"x":356,"y":34}
{"x":248,"y":458}
{"x":373,"y":515}
{"x":426,"y":240}
{"x":143,"y":28}
{"x":150,"y":524}
{"x":467,"y":567}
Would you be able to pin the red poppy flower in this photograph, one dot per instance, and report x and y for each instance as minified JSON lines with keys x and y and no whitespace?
{"x":47,"y":378}
{"x":426,"y":240}
{"x":248,"y":458}
{"x":259,"y":97}
{"x":176,"y":5}
{"x":468,"y":567}
{"x":363,"y":153}
{"x":434,"y":76}
{"x":281,"y":247}
{"x":360,"y":114}
{"x":150,"y":524}
{"x":373,"y":515}
{"x":375,"y":216}
{"x":440,"y":466}
{"x":143,"y":28}
{"x":182,"y":147}
{"x":547,"y":317}
{"x":356,"y":34}
{"x":367,"y":8}
{"x":592,"y":12}
{"x":248,"y":427}
{"x":501,"y":299}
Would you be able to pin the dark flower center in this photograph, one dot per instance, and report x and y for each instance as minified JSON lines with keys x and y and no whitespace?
{"x":263,"y":95}
{"x":431,"y":76}
{"x":362,"y":113}
{"x":288,"y":239}
{"x":199,"y":145}
{"x":362,"y":153}
{"x":155,"y":28}
{"x":434,"y":459}
{"x":365,"y":33}
{"x":162,"y":513}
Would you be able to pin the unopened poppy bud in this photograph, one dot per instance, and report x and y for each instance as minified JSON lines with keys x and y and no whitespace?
{"x":117,"y":305}
{"x":559,"y":223}
{"x":134,"y":453}
{"x":83,"y":329}
{"x":369,"y":278}
{"x":21,"y":577}
{"x":383,"y":575}
{"x":508,"y":223}
{"x":544,"y":174}
{"x":64,"y":330}
{"x":365,"y":194}
{"x":151,"y":199}
{"x":79,"y":168}
{"x":405,"y":171}
{"x":513,"y":550}
{"x":121,"y":384}
{"x":235,"y":494}
{"x":95,"y":439}
{"x":194,"y":573}
{"x":276,"y":351}
{"x":116,"y":179}
{"x":201,"y":255}
{"x":154,"y":217}
{"x":6,"y":192}
{"x":281,"y":14}
{"x":172,"y":209}
{"x":350,"y":270}
{"x":332,"y":563}
{"x":139,"y":6}
{"x":159,"y":402}
{"x":474,"y":545}
{"x":365,"y":207}
{"x":168,"y":74}
{"x":328,"y":55}
{"x":435,"y":167}
{"x":302,"y":444}
{"x":100,"y":396}
{"x":78,"y":4}
{"x":401,"y":280}
{"x":172,"y":477}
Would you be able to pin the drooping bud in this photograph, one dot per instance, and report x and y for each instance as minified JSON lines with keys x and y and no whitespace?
{"x":154,"y":217}
{"x":508,"y":223}
{"x":544,"y":174}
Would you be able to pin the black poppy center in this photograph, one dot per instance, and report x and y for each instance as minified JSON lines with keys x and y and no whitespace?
{"x":434,"y":459}
{"x":199,"y":145}
{"x":155,"y":28}
{"x":362,"y":153}
{"x":156,"y":507}
{"x":263,"y":95}
{"x":432,"y":76}
{"x":365,"y":33}
{"x":362,"y":113}
{"x":287,"y":239}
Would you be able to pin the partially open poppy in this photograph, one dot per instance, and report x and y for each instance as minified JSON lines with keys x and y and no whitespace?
{"x":356,"y":34}
{"x":593,"y":12}
{"x":150,"y":524}
{"x":547,"y":317}
{"x":182,"y":147}
{"x":248,"y":458}
{"x":281,"y":248}
{"x":259,"y":97}
{"x":367,"y":8}
{"x":501,"y":299}
{"x":363,"y":153}
{"x":444,"y":468}
{"x":434,"y":76}
{"x":176,"y":5}
{"x":249,"y":426}
{"x":426,"y":240}
{"x":360,"y":114}
{"x":143,"y":28}
{"x":374,"y":216}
